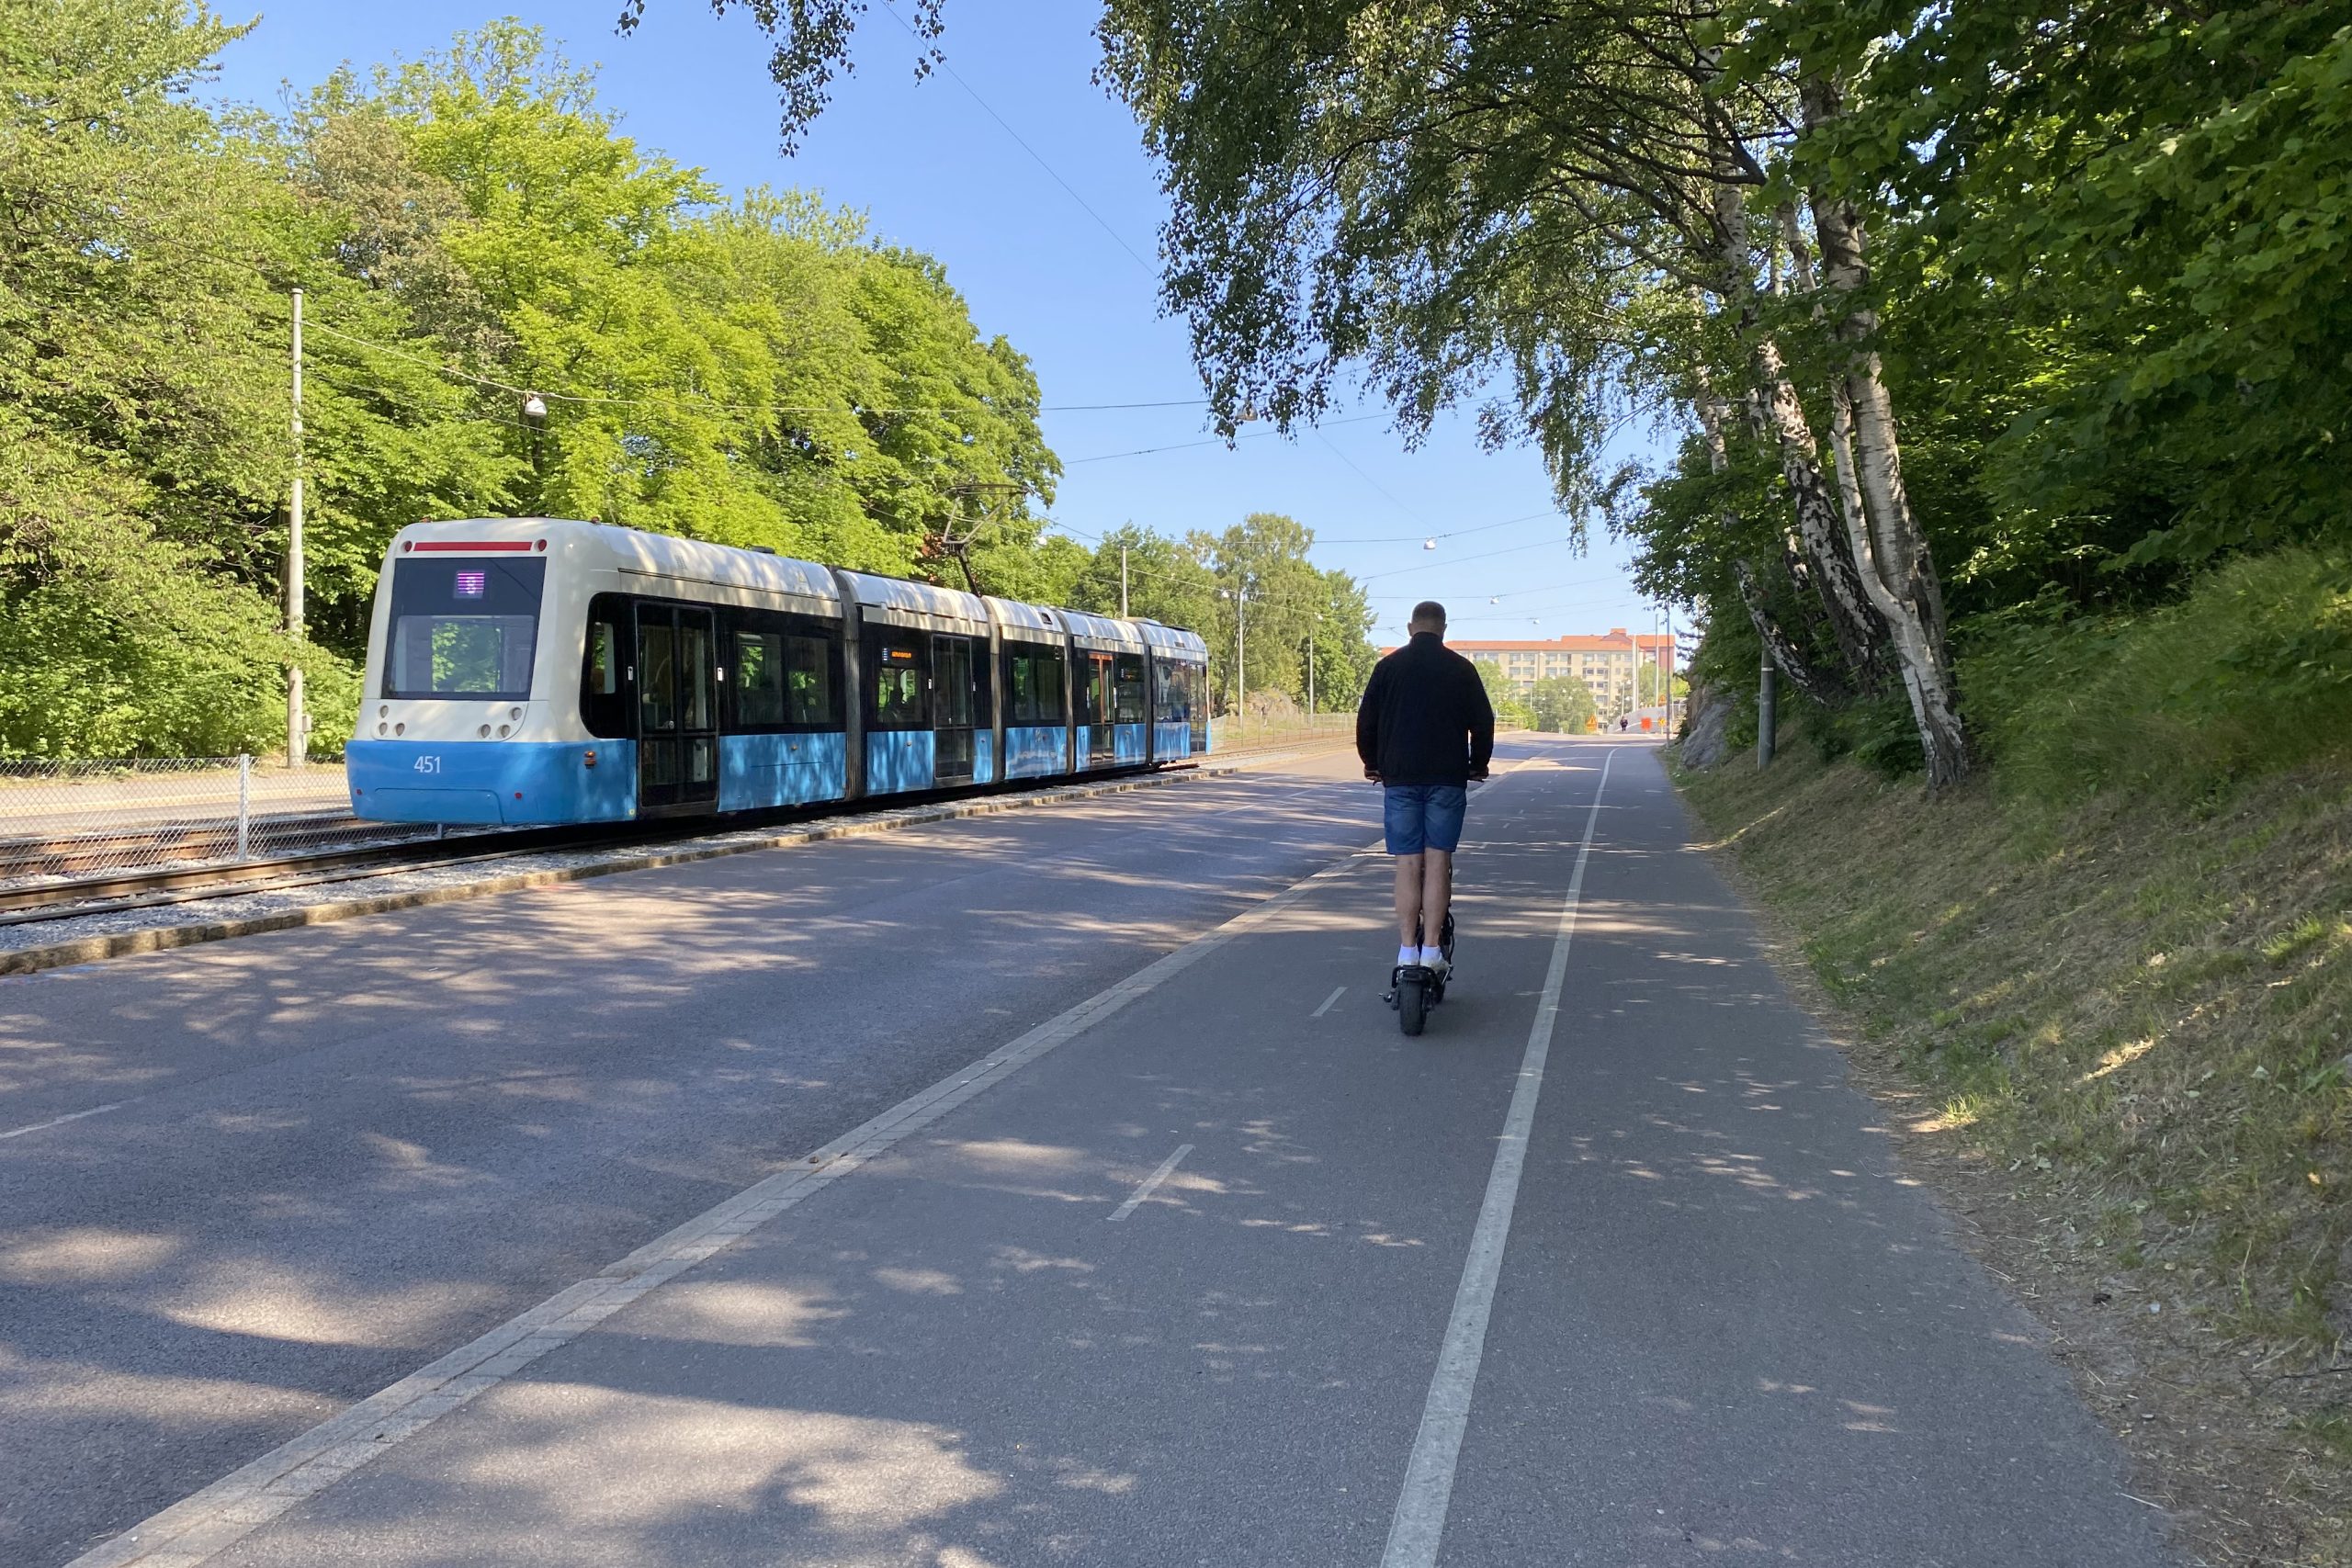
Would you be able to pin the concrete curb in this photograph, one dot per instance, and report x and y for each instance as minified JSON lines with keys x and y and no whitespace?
{"x":158,"y":939}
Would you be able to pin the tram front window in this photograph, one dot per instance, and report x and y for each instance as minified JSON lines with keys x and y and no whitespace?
{"x":466,"y":628}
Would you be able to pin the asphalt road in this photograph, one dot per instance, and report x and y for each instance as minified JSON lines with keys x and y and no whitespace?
{"x":340,"y":1151}
{"x":1717,"y":1323}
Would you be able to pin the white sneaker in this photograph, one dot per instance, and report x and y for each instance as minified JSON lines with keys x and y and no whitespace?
{"x":1434,"y":958}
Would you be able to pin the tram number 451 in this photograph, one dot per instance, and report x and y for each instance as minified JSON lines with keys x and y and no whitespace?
{"x":428,"y":764}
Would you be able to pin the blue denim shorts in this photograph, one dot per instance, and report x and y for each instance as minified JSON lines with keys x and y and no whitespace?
{"x":1423,"y":817}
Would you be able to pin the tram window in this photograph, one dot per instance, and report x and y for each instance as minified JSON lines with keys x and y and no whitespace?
{"x":1035,"y":686}
{"x":898,"y":685}
{"x":758,"y":678}
{"x":603,"y":707}
{"x":464,"y":629}
{"x":951,"y":668}
{"x":808,"y":681}
{"x":1126,"y":691}
{"x":1052,"y":705}
{"x":603,"y":676}
{"x":1021,"y":696}
{"x":694,"y":654}
{"x":657,"y":703}
{"x":1094,"y":687}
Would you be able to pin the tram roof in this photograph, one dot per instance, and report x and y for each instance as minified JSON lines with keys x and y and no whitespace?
{"x":1174,"y":640}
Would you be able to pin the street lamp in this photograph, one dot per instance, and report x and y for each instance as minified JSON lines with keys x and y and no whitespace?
{"x":1240,"y":598}
{"x":535,"y":413}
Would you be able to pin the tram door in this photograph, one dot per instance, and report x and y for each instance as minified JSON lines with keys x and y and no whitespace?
{"x":678,"y":710}
{"x":1096,"y":700}
{"x":958,"y":711}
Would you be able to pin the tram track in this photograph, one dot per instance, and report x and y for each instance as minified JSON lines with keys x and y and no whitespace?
{"x":37,"y":903}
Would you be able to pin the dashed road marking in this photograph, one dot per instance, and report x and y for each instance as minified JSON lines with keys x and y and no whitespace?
{"x":1334,"y":996}
{"x":1143,"y":1192}
{"x":61,"y":1121}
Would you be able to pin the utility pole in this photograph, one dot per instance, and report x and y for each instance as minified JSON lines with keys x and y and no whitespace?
{"x":1240,"y":655}
{"x":1765,"y":713}
{"x":1670,"y":671}
{"x":297,"y":722}
{"x":1123,"y":582}
{"x":1310,"y":675}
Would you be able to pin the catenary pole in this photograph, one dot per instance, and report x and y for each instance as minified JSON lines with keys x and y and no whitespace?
{"x":1123,"y":582}
{"x":297,"y":720}
{"x":1669,"y":670}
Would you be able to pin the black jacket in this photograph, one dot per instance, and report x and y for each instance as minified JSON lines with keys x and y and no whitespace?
{"x":1425,"y":718}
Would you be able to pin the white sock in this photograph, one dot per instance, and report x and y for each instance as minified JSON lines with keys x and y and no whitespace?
{"x":1432,"y":957}
{"x":1409,"y":954}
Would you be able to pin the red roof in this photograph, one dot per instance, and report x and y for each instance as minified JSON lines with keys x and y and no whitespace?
{"x":1617,"y":641}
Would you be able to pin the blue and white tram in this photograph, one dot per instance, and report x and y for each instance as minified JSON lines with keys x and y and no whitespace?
{"x":539,"y":670}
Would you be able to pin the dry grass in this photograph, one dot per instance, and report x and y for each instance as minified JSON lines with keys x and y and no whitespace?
{"x":2127,"y":1026}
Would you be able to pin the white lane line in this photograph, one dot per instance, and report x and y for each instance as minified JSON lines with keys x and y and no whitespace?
{"x":1420,"y":1520}
{"x":199,"y":1526}
{"x":61,"y":1121}
{"x":1143,"y":1192}
{"x":1334,"y":996}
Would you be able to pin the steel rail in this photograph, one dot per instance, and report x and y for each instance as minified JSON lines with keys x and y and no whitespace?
{"x":39,"y":902}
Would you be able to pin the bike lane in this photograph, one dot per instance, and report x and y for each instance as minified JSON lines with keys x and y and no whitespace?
{"x":1729,"y":1326}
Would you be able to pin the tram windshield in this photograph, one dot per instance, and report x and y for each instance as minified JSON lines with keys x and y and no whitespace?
{"x":465,"y":627}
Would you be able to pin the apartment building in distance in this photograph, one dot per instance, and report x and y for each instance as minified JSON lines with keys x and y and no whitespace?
{"x":1605,"y":665}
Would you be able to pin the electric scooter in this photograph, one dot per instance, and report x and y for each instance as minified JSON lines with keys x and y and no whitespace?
{"x":1414,"y":988}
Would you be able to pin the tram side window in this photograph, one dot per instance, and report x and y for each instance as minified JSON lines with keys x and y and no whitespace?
{"x":1035,"y":686}
{"x":1126,"y":691}
{"x":1175,"y":692}
{"x":897,"y":685}
{"x":603,"y":706}
{"x":808,"y":681}
{"x":759,"y":678}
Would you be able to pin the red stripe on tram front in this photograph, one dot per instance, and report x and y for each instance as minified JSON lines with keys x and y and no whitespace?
{"x":510,"y":546}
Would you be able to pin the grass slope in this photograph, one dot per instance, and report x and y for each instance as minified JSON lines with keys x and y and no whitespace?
{"x":2130,"y":1022}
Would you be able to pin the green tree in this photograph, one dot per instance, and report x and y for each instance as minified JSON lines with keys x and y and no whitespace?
{"x":1509,"y":706}
{"x":1265,"y":583}
{"x":1422,"y":194}
{"x":1649,"y":682}
{"x":467,"y":229}
{"x":1560,"y":704}
{"x":141,"y":432}
{"x":1166,"y":581}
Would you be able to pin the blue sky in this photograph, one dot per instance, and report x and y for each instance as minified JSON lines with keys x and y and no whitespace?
{"x":934,"y":171}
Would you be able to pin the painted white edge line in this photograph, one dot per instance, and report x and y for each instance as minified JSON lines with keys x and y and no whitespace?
{"x":196,"y":1529}
{"x":1143,"y":1192}
{"x":1419,"y":1520}
{"x":61,"y":1121}
{"x":1336,"y":991}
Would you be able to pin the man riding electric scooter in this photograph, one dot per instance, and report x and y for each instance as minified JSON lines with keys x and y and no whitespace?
{"x":1424,"y":729}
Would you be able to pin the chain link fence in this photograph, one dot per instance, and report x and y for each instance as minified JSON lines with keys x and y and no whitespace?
{"x":1232,"y":733}
{"x":69,"y":820}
